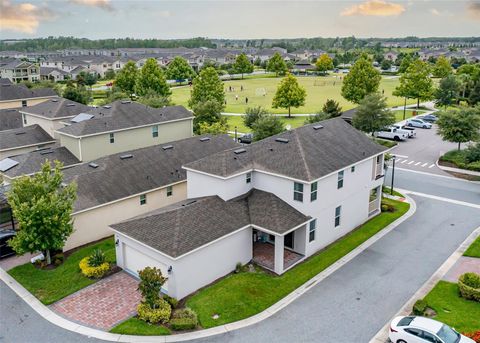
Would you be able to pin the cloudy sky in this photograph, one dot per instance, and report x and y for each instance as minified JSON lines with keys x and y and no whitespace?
{"x":237,"y":18}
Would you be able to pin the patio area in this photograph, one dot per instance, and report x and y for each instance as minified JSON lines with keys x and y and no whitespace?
{"x":264,"y":256}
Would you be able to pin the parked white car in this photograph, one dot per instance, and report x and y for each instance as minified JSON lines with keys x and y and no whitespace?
{"x":408,"y":130}
{"x":392,"y":133}
{"x":413,"y":329}
{"x":416,"y":122}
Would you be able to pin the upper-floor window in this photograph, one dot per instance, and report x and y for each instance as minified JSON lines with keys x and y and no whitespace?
{"x":313,"y":191}
{"x":24,"y":103}
{"x":352,"y":169}
{"x":169,"y":191}
{"x":298,"y":191}
{"x":155,"y":131}
{"x":338,"y":214}
{"x":143,"y":199}
{"x":248,"y":177}
{"x":340,"y":176}
{"x":311,"y":230}
{"x":112,"y":138}
{"x":379,"y":159}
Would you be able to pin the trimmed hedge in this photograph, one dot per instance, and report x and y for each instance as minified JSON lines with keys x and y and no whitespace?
{"x":184,"y":319}
{"x":93,"y":272}
{"x":469,"y":286}
{"x":154,"y":315}
{"x":460,"y":160}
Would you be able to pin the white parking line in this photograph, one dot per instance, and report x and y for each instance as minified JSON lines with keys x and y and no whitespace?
{"x":411,"y":162}
{"x":401,"y":156}
{"x":417,"y":163}
{"x":435,"y":197}
{"x":423,"y":165}
{"x":431,"y":166}
{"x":404,"y":161}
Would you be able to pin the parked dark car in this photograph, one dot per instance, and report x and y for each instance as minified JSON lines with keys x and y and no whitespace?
{"x":5,"y":250}
{"x":429,"y":118}
{"x":246,"y":138}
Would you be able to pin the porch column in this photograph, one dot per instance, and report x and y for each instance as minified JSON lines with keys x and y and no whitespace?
{"x":279,"y":245}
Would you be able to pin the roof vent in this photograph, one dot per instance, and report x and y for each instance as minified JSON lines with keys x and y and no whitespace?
{"x":167,"y":147}
{"x":318,"y":127}
{"x":107,"y":107}
{"x":20,"y":133}
{"x":93,"y":165}
{"x":7,"y":163}
{"x":189,"y":203}
{"x":45,"y":152}
{"x":126,"y":156}
{"x":126,"y":102}
{"x":70,"y":105}
{"x":239,"y":151}
{"x":281,"y":140}
{"x":204,"y":139}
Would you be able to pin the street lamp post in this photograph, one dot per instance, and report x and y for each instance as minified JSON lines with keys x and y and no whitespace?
{"x":393,"y":174}
{"x":404,"y":108}
{"x":236,"y":139}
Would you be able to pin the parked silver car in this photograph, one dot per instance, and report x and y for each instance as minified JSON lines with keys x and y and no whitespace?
{"x":415,"y":122}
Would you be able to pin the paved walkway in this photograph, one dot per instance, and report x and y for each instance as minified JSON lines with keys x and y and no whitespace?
{"x":463,"y":265}
{"x":13,"y":261}
{"x":103,"y":304}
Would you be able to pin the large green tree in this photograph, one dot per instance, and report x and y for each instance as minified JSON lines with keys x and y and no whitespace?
{"x":126,"y":78}
{"x":207,"y":86}
{"x":447,"y":92}
{"x":416,"y":83}
{"x":289,"y":94}
{"x":324,"y":63}
{"x":460,"y":126}
{"x":252,"y":114}
{"x":242,"y":65}
{"x":207,"y":112}
{"x":179,"y":69}
{"x":372,"y":114}
{"x":266,"y":126}
{"x":76,"y":93}
{"x":42,"y":205}
{"x":277,"y":65}
{"x":406,"y":61}
{"x":152,"y":79}
{"x":442,"y":67}
{"x":363,"y":79}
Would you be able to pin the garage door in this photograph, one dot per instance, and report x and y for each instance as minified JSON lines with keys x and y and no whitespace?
{"x":135,"y":260}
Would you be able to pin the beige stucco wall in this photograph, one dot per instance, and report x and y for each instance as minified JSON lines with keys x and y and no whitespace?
{"x":19,"y":151}
{"x":133,"y":139}
{"x":18,"y":103}
{"x":93,"y":224}
{"x":48,"y":125}
{"x":71,"y":144}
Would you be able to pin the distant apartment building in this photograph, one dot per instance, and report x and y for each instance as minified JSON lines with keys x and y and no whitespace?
{"x":18,"y":71}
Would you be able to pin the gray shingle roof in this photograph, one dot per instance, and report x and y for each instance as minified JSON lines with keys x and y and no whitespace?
{"x":349,"y":114}
{"x":31,"y":162}
{"x":17,"y":92}
{"x":57,"y":108}
{"x":308,"y":155}
{"x":150,"y":168}
{"x":10,"y":118}
{"x":28,"y":135}
{"x":123,"y":115}
{"x":182,"y":227}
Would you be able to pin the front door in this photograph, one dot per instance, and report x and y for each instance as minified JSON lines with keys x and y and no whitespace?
{"x":288,"y":241}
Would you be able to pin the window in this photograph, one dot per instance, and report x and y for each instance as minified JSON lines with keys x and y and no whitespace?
{"x":143,"y":199}
{"x":169,"y":191}
{"x":379,"y":159}
{"x":24,"y":103}
{"x":338,"y":213}
{"x":298,"y":191}
{"x":352,"y":169}
{"x":155,"y":131}
{"x":112,"y":138}
{"x":248,"y":178}
{"x":313,"y":191}
{"x":340,"y":179}
{"x":311,"y":231}
{"x":429,"y":337}
{"x":415,"y":332}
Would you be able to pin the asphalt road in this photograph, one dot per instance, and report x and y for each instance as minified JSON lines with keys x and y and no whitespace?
{"x":353,"y":303}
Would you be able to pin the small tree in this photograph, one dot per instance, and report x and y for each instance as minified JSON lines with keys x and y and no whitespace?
{"x":289,"y":94}
{"x":266,"y":126}
{"x":207,"y":86}
{"x":126,"y":78}
{"x":151,"y":79}
{"x":386,"y":65}
{"x":416,"y":83}
{"x":474,"y":98}
{"x":109,"y":74}
{"x":43,"y":205}
{"x":406,"y":61}
{"x":324,"y":63}
{"x":372,"y":114}
{"x":252,"y":114}
{"x":76,"y":93}
{"x":277,"y":65}
{"x":154,"y":100}
{"x":317,"y":117}
{"x":150,"y":285}
{"x":363,"y":79}
{"x":208,"y":112}
{"x":243,"y":65}
{"x":459,"y":126}
{"x":332,"y":108}
{"x":448,"y":91}
{"x":179,"y":69}
{"x":218,"y":128}
{"x":442,"y":67}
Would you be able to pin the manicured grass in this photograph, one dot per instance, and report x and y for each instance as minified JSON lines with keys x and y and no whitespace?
{"x":408,"y":114}
{"x":474,"y":249}
{"x":237,"y":121}
{"x":458,"y":159}
{"x":135,"y":326}
{"x":242,"y":295}
{"x":319,"y":89}
{"x":452,"y":309}
{"x":385,"y":142}
{"x":52,"y":285}
{"x":387,"y":190}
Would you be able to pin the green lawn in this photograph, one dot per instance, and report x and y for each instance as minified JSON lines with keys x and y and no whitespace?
{"x":319,"y":89}
{"x":242,"y":295}
{"x":386,"y":189}
{"x":237,"y":121}
{"x":452,"y":309}
{"x":408,"y":114}
{"x":474,"y":249}
{"x":52,"y":285}
{"x":135,"y":326}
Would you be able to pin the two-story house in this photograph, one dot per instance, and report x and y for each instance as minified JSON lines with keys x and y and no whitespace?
{"x":18,"y":71}
{"x":14,"y":96}
{"x":275,"y":202}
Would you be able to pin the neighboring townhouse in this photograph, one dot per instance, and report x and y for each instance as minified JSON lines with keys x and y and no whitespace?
{"x":53,"y":74}
{"x":13,"y":96}
{"x":22,"y":140}
{"x":18,"y":71}
{"x":122,"y":126}
{"x":120,"y":186}
{"x":275,"y":202}
{"x":303,"y":66}
{"x":10,"y":118}
{"x":52,"y":114}
{"x":391,"y":56}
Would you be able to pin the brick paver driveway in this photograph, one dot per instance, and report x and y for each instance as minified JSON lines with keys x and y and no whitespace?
{"x":103,"y":304}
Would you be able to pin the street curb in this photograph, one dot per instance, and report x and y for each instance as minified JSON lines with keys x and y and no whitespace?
{"x":457,"y":170}
{"x":54,"y":318}
{"x":382,"y":335}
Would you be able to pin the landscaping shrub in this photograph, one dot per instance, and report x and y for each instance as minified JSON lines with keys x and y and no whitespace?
{"x":151,"y":281}
{"x":238,"y":267}
{"x":184,"y":319}
{"x":419,"y":307}
{"x":172,"y":301}
{"x":474,"y":335}
{"x":469,"y":286}
{"x":93,"y":272}
{"x":472,"y":153}
{"x":159,"y":314}
{"x":97,"y":258}
{"x":387,"y":207}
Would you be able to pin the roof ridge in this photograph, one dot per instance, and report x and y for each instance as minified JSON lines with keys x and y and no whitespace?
{"x":302,"y":153}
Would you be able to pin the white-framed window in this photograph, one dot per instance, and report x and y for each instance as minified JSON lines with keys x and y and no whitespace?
{"x":112,"y":138}
{"x":313,"y":191}
{"x":338,"y":214}
{"x":24,"y":103}
{"x":311,"y":230}
{"x":143,"y":199}
{"x":352,"y":169}
{"x":169,"y":191}
{"x":155,"y":131}
{"x":298,"y":191}
{"x":248,"y":177}
{"x":340,"y":176}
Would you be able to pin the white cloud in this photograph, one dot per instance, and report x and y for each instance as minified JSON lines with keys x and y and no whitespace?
{"x":378,"y":8}
{"x":24,"y":17}
{"x":473,"y":9}
{"x":103,"y":4}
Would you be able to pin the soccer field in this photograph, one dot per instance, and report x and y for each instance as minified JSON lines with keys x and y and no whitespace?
{"x":260,"y":92}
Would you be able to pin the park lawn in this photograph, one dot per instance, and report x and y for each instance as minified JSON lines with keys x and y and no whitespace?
{"x":245,"y":294}
{"x":452,"y":309}
{"x":474,"y":249}
{"x":319,"y":89}
{"x":237,"y":121}
{"x":408,"y":114}
{"x":135,"y":326}
{"x":52,"y":285}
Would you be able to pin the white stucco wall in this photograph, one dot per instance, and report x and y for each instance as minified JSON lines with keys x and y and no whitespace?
{"x":47,"y":124}
{"x":22,"y":150}
{"x":18,"y":102}
{"x":201,"y":185}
